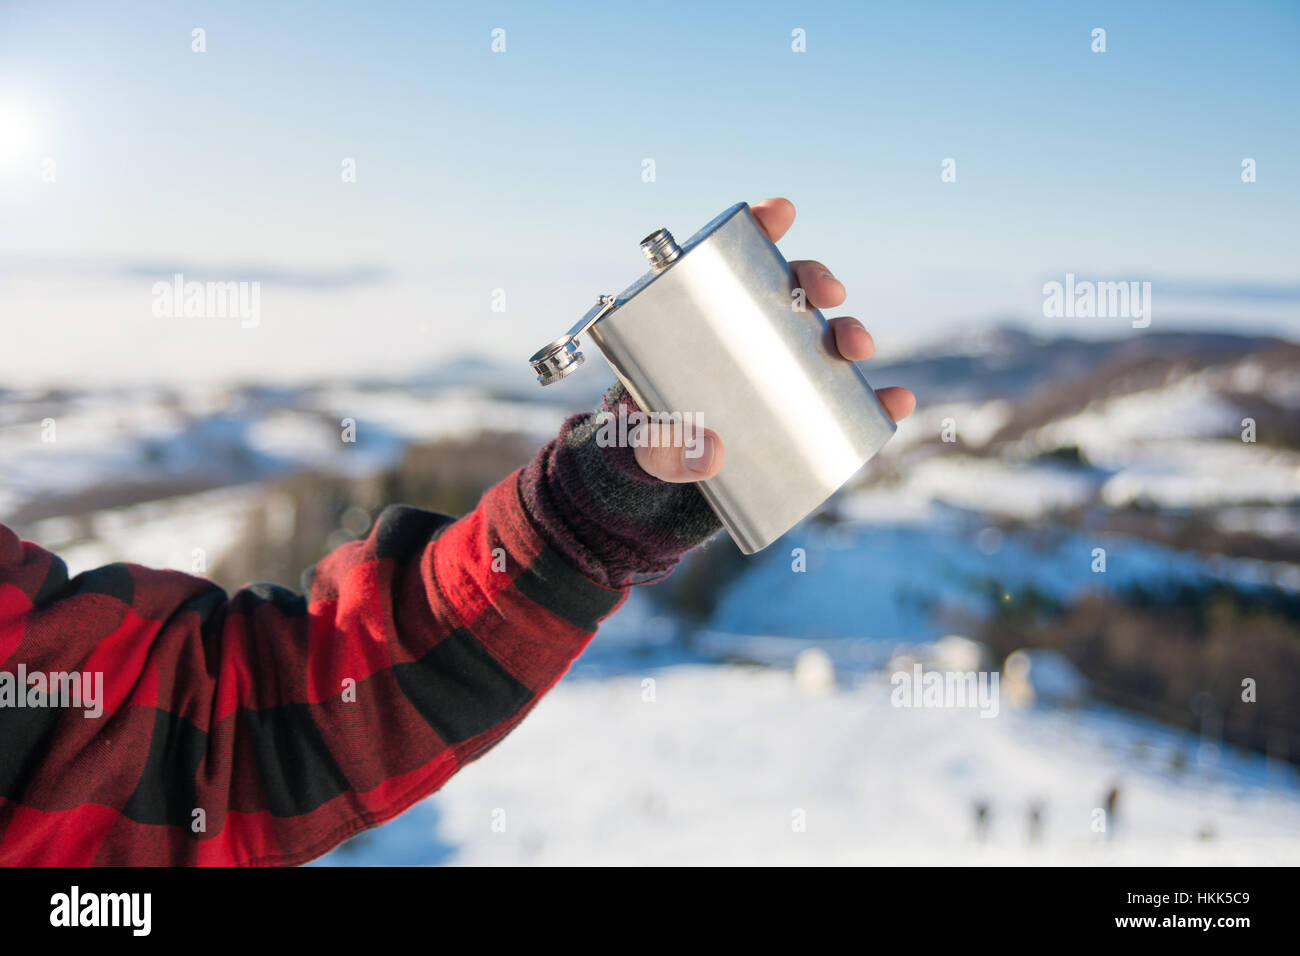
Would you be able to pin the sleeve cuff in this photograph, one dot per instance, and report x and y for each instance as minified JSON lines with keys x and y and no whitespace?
{"x":594,"y":504}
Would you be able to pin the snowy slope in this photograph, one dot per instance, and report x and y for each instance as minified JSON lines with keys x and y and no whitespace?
{"x":884,"y":582}
{"x":716,"y":768}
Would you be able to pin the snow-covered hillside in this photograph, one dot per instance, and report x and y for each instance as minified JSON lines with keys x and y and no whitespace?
{"x":725,"y":763}
{"x":63,"y":446}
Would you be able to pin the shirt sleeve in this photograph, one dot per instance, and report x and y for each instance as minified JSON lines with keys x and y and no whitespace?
{"x":264,"y":727}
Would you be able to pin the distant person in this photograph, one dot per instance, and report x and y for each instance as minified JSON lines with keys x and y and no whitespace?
{"x":1112,"y":804}
{"x":1036,"y":810}
{"x":982,"y":820}
{"x":267,"y":727}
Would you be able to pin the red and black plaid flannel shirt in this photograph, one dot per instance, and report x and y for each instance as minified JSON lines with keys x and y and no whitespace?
{"x":266,"y":727}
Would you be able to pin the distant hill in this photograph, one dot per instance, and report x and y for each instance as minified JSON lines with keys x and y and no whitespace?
{"x":1009,"y":363}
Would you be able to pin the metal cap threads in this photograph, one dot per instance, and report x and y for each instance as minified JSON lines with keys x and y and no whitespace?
{"x":661,"y":249}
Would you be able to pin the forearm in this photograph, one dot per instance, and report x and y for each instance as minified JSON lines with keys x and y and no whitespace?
{"x":268,"y":727}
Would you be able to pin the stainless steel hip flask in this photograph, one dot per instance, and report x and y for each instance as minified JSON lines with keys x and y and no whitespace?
{"x":718,"y":331}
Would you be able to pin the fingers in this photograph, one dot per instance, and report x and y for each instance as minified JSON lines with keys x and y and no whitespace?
{"x":824,"y":291}
{"x":697,"y":454}
{"x":774,"y":215}
{"x":899,"y":402}
{"x":854,"y":342}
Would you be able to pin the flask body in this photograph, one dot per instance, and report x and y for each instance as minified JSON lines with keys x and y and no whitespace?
{"x":716,"y":335}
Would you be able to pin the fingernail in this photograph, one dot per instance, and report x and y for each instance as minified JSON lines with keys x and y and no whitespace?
{"x":702,"y":457}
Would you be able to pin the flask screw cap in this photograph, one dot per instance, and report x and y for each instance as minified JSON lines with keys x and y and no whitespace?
{"x":661,"y":249}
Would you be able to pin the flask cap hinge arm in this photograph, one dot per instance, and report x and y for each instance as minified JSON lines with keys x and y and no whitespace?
{"x":556,"y":360}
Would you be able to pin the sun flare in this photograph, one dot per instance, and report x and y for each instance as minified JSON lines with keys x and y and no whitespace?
{"x":15,"y":132}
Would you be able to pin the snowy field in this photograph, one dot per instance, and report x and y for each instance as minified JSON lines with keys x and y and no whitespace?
{"x":725,"y":762}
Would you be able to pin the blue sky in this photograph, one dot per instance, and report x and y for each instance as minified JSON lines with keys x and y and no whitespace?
{"x":522,"y":170}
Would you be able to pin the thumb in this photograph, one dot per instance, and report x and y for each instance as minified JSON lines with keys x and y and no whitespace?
{"x":678,"y":455}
